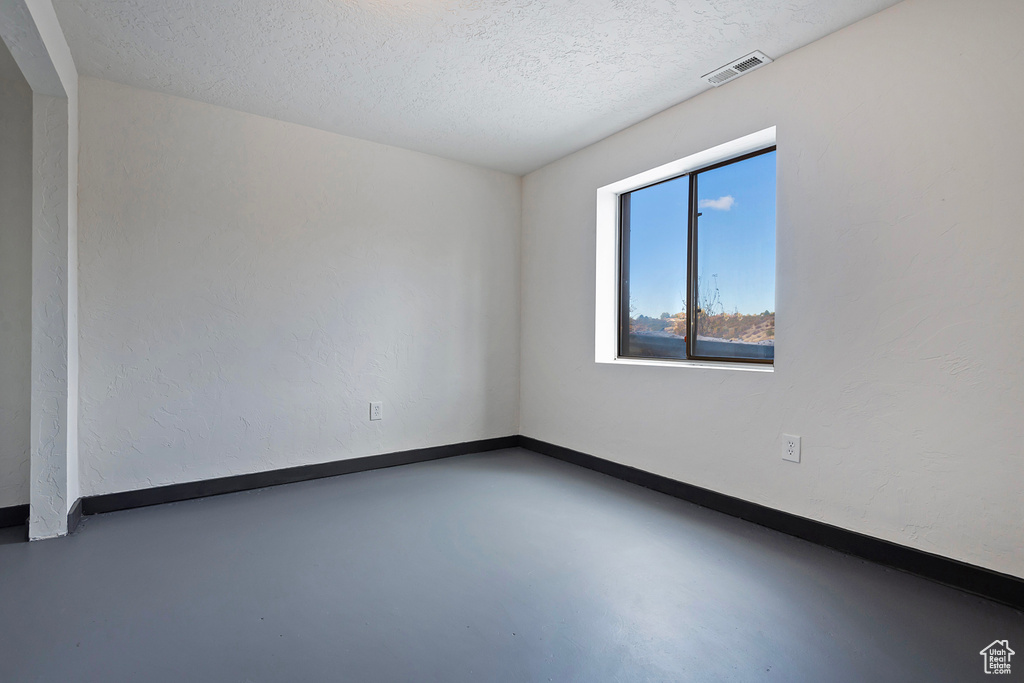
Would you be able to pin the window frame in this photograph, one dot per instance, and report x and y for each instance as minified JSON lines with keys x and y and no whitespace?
{"x":613,"y":252}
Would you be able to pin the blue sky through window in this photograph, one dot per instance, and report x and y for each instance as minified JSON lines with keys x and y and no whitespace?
{"x":736,"y":239}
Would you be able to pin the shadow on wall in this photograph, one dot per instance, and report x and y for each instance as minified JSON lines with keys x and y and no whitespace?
{"x":15,"y":281}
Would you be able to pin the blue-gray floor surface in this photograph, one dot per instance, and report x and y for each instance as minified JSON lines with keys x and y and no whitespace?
{"x":502,"y":566}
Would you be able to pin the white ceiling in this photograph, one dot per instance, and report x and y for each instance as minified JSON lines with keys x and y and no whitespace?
{"x":506,"y":84}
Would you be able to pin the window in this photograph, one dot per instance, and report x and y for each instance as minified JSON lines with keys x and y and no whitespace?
{"x":695,"y":258}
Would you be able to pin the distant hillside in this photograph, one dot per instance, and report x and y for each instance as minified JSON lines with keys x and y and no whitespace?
{"x":757,"y":327}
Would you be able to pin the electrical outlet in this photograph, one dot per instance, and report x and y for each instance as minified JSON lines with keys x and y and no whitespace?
{"x":375,"y":410}
{"x":791,"y":448}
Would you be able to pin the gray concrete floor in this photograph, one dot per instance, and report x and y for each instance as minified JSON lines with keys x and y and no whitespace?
{"x":503,"y":566}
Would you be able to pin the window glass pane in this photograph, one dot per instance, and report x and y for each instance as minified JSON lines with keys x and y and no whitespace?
{"x":655,"y":278}
{"x":735,"y":268}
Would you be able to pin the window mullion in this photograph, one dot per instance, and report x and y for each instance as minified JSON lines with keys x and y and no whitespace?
{"x":691,"y":266}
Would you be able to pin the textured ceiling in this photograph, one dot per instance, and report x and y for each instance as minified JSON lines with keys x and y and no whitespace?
{"x":506,"y":84}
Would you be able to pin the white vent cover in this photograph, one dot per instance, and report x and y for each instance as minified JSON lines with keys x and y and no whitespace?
{"x":736,"y":69}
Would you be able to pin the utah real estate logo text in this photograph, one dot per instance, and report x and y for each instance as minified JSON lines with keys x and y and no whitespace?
{"x":997,"y":657}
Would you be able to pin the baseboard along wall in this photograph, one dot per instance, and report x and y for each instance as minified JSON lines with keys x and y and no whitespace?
{"x":986,"y":583}
{"x":14,"y":515}
{"x":1003,"y":588}
{"x":110,"y":502}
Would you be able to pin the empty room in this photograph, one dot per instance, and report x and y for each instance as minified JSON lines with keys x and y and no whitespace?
{"x":511,"y":340}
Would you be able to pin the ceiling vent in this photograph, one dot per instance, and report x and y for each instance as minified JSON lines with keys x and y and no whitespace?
{"x":736,"y":69}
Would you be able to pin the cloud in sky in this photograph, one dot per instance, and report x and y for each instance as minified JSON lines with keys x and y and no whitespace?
{"x":721,"y":204}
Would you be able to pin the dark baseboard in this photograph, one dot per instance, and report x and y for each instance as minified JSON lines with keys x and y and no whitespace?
{"x":986,"y":583}
{"x":1003,"y":588}
{"x":74,"y":516}
{"x":110,"y":502}
{"x":15,"y":515}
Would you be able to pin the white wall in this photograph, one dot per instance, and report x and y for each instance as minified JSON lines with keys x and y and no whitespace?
{"x":51,"y":268}
{"x":59,"y":54}
{"x":15,"y":280}
{"x":248,"y":286}
{"x":899,"y":315}
{"x":30,"y":30}
{"x":54,"y":476}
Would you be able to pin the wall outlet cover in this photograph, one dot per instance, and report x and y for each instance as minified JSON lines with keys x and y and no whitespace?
{"x":791,"y":448}
{"x":376,"y":410}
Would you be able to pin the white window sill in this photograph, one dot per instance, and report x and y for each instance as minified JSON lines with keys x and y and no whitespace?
{"x":706,"y":364}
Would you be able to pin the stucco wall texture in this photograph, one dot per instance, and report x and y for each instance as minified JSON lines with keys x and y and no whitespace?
{"x":15,"y":281}
{"x":33,"y":35}
{"x":899,"y":289}
{"x":52,"y":451}
{"x":248,"y":286}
